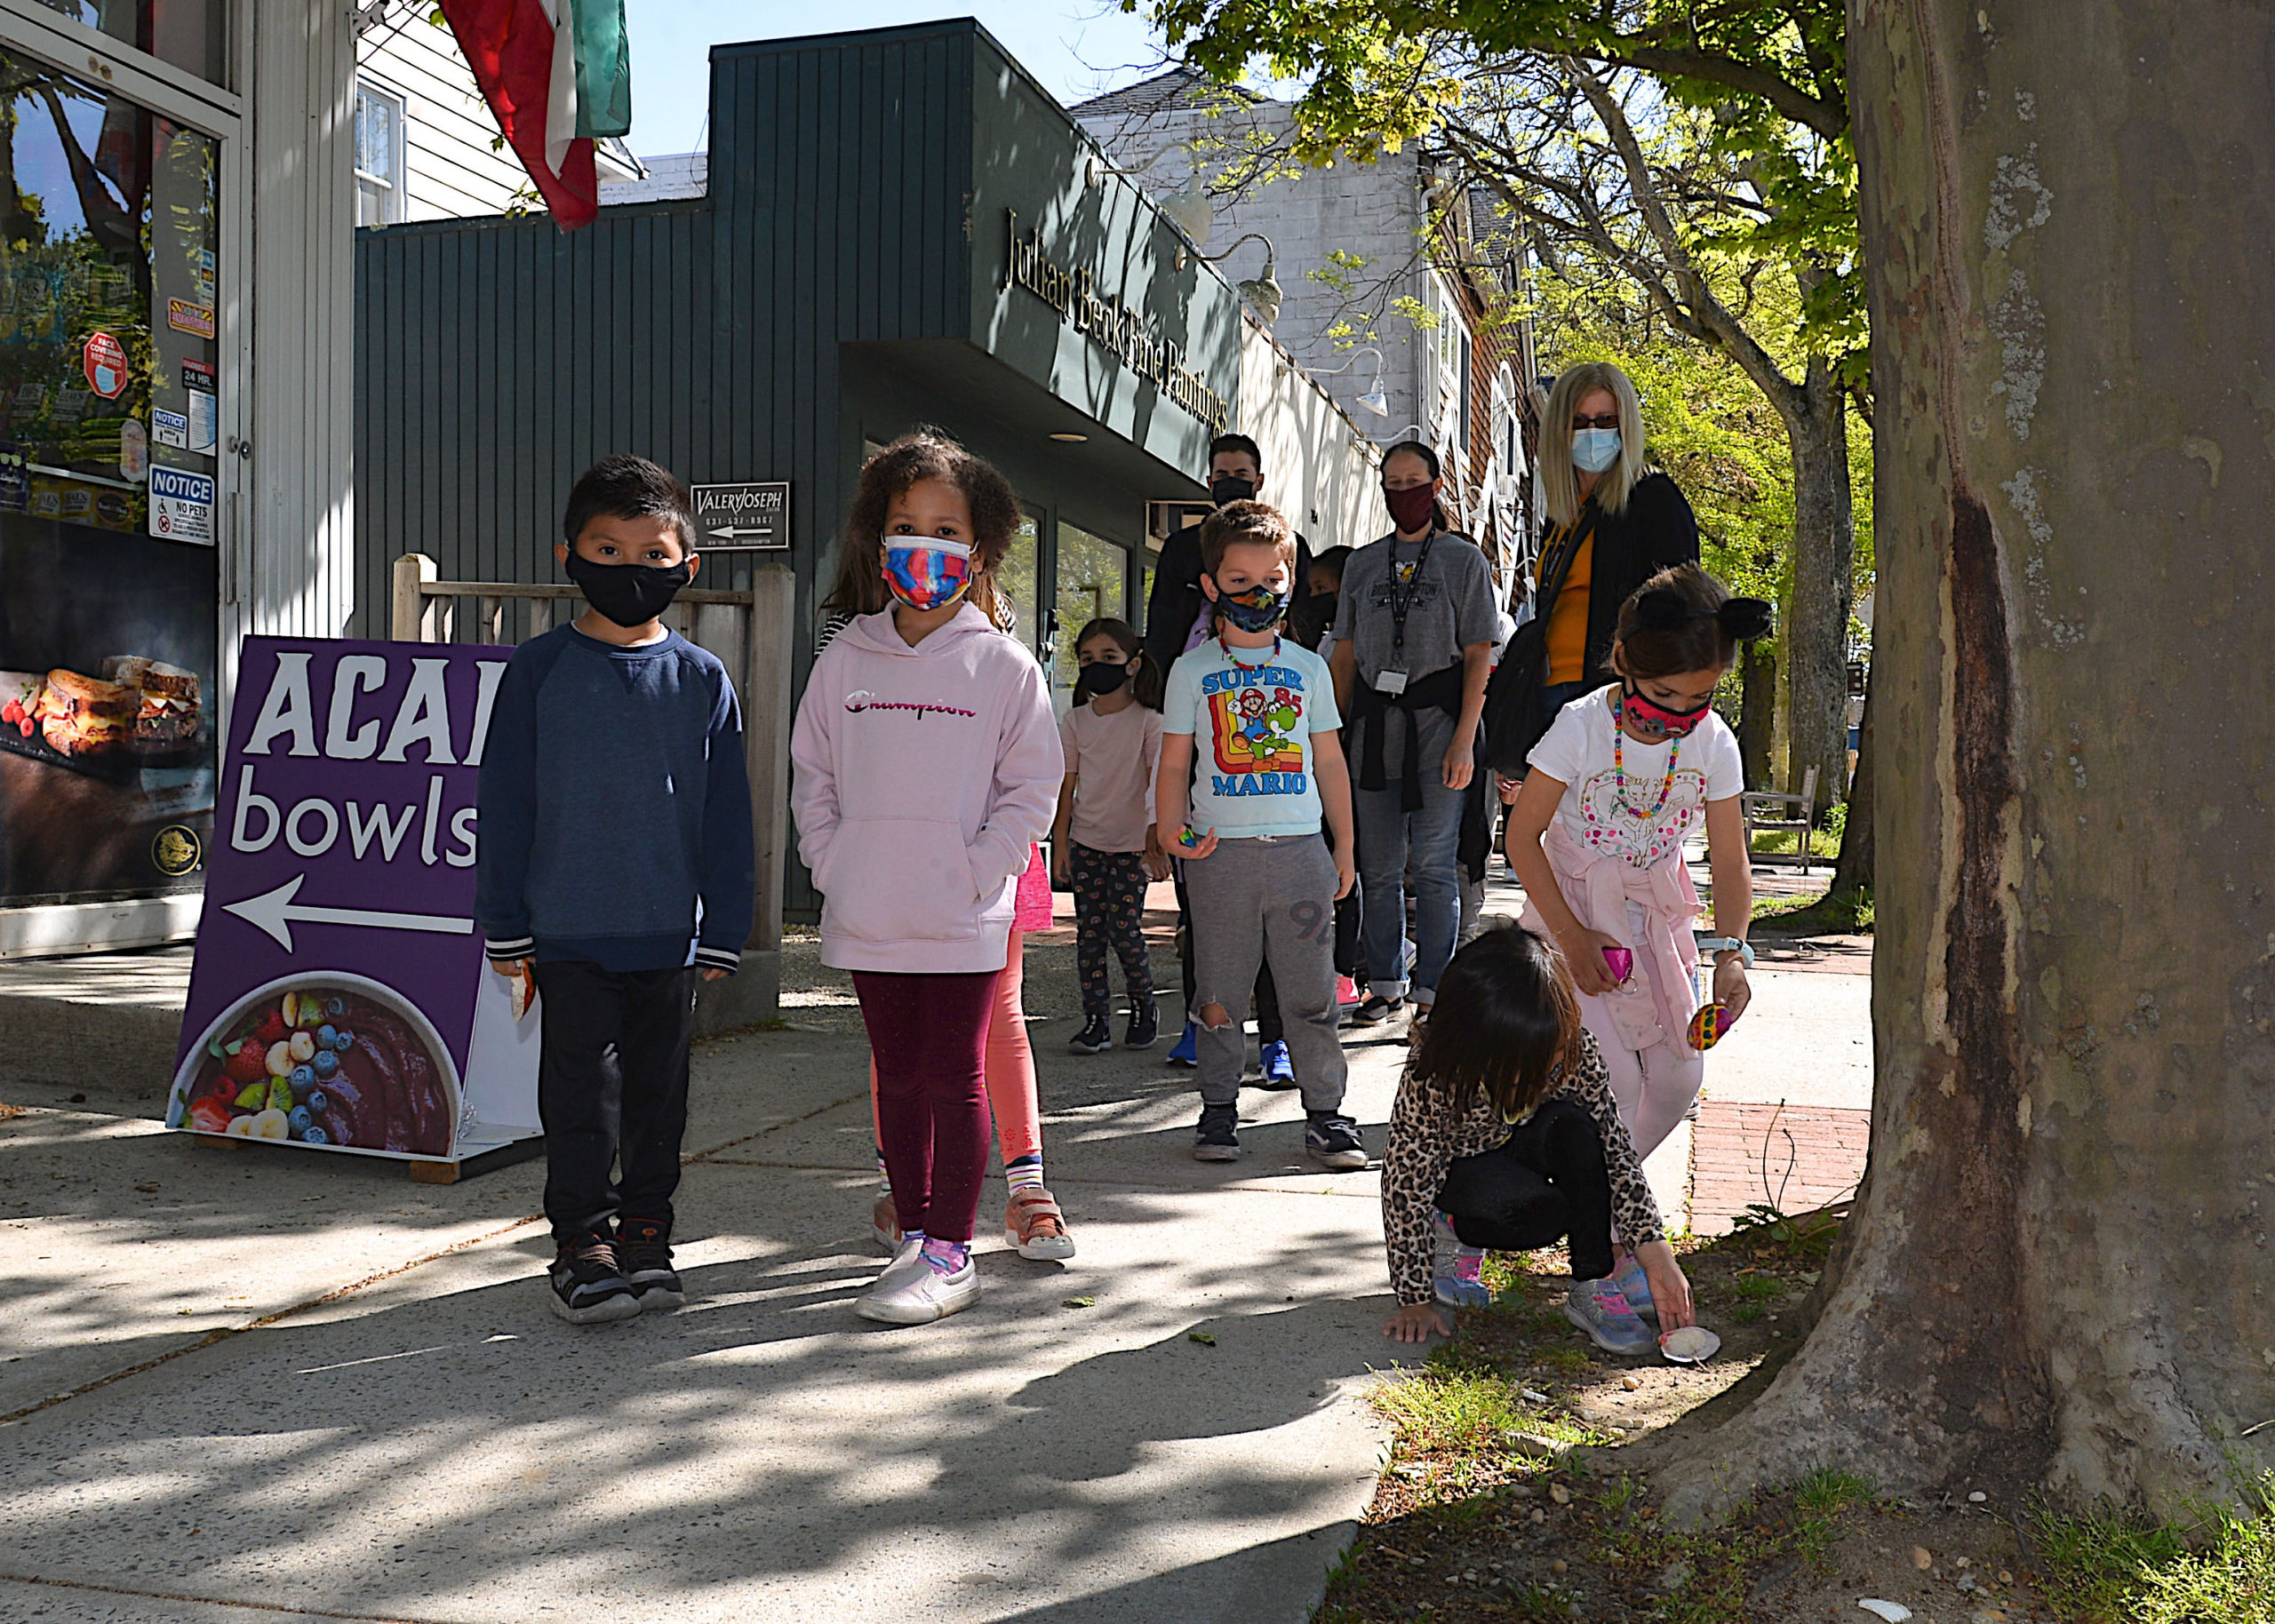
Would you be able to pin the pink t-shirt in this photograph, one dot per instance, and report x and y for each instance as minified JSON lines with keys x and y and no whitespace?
{"x":1031,"y":909}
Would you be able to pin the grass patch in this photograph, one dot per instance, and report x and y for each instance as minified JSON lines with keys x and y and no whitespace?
{"x":1450,"y":1409}
{"x":1779,"y":843}
{"x":2220,"y":1566}
{"x":1845,"y":913}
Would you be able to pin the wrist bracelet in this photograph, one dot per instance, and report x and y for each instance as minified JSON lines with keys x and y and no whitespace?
{"x":1727,"y":944}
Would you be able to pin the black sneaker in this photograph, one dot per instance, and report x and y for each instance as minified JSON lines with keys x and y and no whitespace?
{"x":1217,"y":1139}
{"x":1145,"y":1026}
{"x":643,"y":1253}
{"x":1376,"y":1010}
{"x":1096,"y":1037}
{"x":1332,"y":1140}
{"x":586,"y":1287}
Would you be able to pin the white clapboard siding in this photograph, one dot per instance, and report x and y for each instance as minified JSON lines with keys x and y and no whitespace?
{"x":451,"y":167}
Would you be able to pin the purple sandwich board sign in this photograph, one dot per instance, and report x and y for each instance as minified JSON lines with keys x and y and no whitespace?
{"x":339,"y":999}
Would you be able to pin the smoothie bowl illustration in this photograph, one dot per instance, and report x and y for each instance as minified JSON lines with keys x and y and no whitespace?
{"x":325,"y":1058}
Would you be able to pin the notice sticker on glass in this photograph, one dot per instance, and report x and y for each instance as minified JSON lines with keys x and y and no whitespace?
{"x":204,"y":422}
{"x":103,"y":359}
{"x":196,"y":320}
{"x":203,"y":276}
{"x":170,"y":428}
{"x":181,"y":506}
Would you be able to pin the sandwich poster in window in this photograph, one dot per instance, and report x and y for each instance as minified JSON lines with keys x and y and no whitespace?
{"x":339,"y":999}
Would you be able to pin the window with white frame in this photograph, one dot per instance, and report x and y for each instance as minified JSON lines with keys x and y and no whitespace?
{"x":378,"y":155}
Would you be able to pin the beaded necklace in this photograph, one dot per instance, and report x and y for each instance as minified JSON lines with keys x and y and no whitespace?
{"x":1619,"y":769}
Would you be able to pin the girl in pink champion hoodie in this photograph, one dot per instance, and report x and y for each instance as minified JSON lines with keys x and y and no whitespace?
{"x":926,"y":764}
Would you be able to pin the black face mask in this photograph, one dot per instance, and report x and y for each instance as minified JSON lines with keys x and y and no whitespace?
{"x":1102,"y":677}
{"x":629,"y":594}
{"x":1230,"y":488}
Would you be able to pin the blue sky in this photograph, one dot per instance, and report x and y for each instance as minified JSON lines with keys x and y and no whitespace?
{"x":1077,"y":48}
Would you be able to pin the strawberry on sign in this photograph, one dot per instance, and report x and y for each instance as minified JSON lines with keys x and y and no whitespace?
{"x":104,"y":362}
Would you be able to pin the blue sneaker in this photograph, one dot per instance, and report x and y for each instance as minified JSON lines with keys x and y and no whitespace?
{"x":1460,"y":1280}
{"x":1600,"y":1308}
{"x":1279,"y":1071}
{"x":1635,"y":1286}
{"x":1187,"y":1052}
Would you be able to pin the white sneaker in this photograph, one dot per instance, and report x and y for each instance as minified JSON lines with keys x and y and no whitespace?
{"x":911,"y":1291}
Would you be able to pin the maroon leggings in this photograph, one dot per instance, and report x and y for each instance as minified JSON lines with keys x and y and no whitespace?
{"x":928,"y":1034}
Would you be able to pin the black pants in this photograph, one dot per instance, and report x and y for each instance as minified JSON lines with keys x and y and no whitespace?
{"x":1110,"y":911}
{"x":611,"y":1088}
{"x":1547,"y":1183}
{"x":1269,"y":1028}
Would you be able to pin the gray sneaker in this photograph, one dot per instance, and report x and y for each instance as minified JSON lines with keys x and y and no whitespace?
{"x":1218,"y":1138}
{"x":1600,"y":1308}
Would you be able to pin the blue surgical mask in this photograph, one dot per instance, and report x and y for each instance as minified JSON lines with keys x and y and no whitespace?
{"x":1594,"y":450}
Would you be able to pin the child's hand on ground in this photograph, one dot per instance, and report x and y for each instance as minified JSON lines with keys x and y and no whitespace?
{"x":1346,"y":875}
{"x":1670,"y":1289}
{"x":1584,"y":952}
{"x":1416,"y":1322}
{"x":1732,"y":990}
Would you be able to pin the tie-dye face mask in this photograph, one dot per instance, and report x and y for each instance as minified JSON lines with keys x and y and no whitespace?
{"x":927,"y":572}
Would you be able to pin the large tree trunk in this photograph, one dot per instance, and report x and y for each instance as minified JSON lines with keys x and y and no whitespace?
{"x":1756,"y":713}
{"x":2052,"y":1273}
{"x":1852,"y":870}
{"x":1816,"y":633}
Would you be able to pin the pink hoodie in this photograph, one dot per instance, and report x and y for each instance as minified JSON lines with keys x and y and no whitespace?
{"x":923,"y":778}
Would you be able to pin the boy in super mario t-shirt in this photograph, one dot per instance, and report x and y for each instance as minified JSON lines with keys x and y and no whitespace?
{"x":1259,"y":714}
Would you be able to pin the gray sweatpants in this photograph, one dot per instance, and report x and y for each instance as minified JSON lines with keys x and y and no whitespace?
{"x":1269,"y":899}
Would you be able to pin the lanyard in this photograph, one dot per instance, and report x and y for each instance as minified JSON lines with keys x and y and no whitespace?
{"x":1400,"y":603}
{"x":1232,"y":660}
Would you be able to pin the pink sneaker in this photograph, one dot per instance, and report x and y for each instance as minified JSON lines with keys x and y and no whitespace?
{"x":1346,"y":992}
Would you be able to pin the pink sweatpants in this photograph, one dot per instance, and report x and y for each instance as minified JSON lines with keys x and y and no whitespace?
{"x":1011,"y":1066}
{"x":1653,"y":1087}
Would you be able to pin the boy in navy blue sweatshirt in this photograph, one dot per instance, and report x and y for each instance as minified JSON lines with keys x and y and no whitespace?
{"x":616,"y":866}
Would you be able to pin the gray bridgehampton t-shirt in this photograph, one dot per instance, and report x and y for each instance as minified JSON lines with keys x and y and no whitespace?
{"x":1452,"y":606}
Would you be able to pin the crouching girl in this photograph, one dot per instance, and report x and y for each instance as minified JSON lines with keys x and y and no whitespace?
{"x":1505,"y":1131}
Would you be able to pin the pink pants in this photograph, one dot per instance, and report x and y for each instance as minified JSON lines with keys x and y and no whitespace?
{"x":1653,"y":1087}
{"x":1011,"y":1066}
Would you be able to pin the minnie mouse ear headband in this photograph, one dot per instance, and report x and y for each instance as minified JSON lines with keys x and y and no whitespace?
{"x":1664,"y":609}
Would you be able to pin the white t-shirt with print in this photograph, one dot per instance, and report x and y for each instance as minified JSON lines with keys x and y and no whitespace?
{"x":1616,"y":810}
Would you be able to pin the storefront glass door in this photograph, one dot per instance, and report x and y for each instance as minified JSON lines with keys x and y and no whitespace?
{"x":1093,"y":581}
{"x":109,"y":373}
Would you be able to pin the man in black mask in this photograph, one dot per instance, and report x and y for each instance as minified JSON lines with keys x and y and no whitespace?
{"x":1173,"y":609}
{"x":1174,"y":623}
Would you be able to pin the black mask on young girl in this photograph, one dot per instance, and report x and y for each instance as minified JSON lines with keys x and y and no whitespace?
{"x":628,"y":594}
{"x":1101,"y":677}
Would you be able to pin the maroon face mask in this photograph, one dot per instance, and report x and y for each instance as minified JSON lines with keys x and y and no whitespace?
{"x":1409,"y":509}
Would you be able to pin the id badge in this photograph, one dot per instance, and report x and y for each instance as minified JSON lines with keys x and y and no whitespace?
{"x":1392,"y":683}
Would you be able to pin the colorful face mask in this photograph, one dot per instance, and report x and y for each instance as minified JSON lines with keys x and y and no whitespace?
{"x":927,"y":572}
{"x":1260,"y":609}
{"x":1650,"y":717}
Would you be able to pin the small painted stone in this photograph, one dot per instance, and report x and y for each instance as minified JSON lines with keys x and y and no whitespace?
{"x":326,"y":1063}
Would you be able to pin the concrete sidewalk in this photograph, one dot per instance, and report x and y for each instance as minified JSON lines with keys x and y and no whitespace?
{"x":300,"y":1383}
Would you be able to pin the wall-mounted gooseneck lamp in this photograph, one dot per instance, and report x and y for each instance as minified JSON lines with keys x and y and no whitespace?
{"x":1374,"y":400}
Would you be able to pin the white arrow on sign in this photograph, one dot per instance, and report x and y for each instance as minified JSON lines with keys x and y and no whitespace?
{"x":274,"y":912}
{"x":733,"y":531}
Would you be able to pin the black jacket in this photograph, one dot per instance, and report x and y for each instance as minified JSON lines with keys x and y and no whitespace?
{"x":1175,"y":603}
{"x":1657,"y":530}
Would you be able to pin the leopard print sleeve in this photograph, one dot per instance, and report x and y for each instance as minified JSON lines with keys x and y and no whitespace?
{"x":1634,"y":1212}
{"x":1421,"y":1147}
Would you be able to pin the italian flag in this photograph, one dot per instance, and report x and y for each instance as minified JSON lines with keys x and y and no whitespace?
{"x":557,"y":73}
